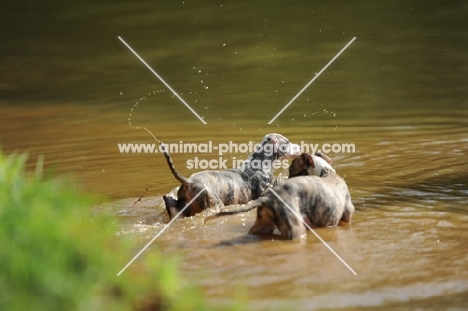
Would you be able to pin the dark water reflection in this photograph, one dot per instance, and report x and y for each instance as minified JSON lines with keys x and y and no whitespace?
{"x":398,"y":93}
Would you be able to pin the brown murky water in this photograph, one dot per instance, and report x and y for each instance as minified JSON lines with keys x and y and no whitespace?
{"x":398,"y":93}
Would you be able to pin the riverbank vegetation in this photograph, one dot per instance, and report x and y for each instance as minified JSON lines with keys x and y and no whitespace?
{"x":56,"y":254}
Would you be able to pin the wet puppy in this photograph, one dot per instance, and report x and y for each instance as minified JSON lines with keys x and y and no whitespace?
{"x":319,"y":201}
{"x":234,"y":186}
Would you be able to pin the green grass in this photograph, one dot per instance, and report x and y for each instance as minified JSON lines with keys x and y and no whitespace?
{"x":56,"y":255}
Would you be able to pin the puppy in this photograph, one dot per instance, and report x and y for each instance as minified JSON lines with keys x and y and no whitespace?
{"x":234,"y":186}
{"x":320,"y":201}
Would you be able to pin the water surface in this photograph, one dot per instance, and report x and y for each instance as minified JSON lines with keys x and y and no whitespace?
{"x":398,"y":93}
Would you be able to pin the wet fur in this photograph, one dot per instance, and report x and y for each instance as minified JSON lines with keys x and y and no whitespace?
{"x":321,"y":201}
{"x":226,"y":187}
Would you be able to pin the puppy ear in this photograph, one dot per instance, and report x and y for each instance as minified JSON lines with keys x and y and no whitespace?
{"x":307,"y":158}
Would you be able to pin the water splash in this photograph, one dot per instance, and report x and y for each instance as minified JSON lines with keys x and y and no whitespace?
{"x":142,"y":127}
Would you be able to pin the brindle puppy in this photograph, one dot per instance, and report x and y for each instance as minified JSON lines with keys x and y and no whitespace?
{"x":320,"y":201}
{"x":234,"y":186}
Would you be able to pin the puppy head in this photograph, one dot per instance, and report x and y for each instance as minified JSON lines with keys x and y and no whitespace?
{"x":305,"y":164}
{"x":278,"y":147}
